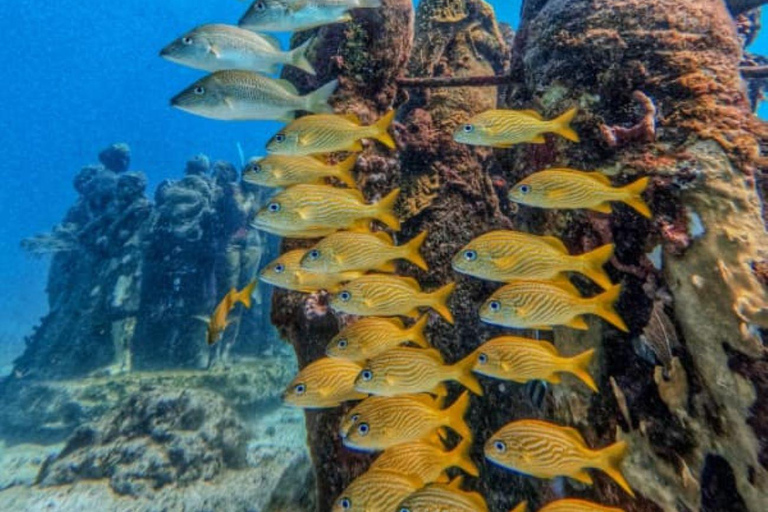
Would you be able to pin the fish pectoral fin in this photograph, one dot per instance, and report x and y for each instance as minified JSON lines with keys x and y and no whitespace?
{"x":214,"y":50}
{"x":203,"y":318}
{"x":602,"y":208}
{"x":578,"y":323}
{"x":583,"y":477}
{"x":539,"y":139}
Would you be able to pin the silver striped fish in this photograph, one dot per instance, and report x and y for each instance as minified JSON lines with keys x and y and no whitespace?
{"x":324,"y":383}
{"x":376,"y":491}
{"x":426,"y":460}
{"x":369,"y":337}
{"x":441,"y":497}
{"x":505,"y":128}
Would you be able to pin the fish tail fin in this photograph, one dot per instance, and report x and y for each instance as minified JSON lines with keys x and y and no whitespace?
{"x":439,"y":301}
{"x":299,"y":57}
{"x":416,"y":332}
{"x":412,"y":251}
{"x":344,"y":171}
{"x":562,"y":125}
{"x":604,"y":307}
{"x":382,"y":129}
{"x":593,"y":262}
{"x":317,"y":101}
{"x":244,"y":295}
{"x":462,"y":457}
{"x":521,"y":507}
{"x":456,"y":414}
{"x":610,"y":461}
{"x":579,"y":366}
{"x":368,"y":4}
{"x":462,"y":372}
{"x":385,"y":210}
{"x":633,"y":196}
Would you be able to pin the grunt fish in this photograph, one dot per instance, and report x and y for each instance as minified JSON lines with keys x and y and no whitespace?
{"x":284,"y":171}
{"x":510,"y":255}
{"x":297,"y":15}
{"x":376,"y":491}
{"x":426,"y":460}
{"x":369,"y":337}
{"x":404,"y":370}
{"x":286,"y":273}
{"x":442,"y":497}
{"x":569,"y":505}
{"x":505,"y":128}
{"x":546,"y":450}
{"x":522,"y":360}
{"x":325,"y":383}
{"x":219,"y":320}
{"x":570,"y":189}
{"x":234,"y":95}
{"x":329,"y":133}
{"x":543,"y":305}
{"x":388,"y":295}
{"x":218,"y":47}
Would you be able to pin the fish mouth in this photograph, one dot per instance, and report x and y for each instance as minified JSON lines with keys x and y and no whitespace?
{"x":165,"y":52}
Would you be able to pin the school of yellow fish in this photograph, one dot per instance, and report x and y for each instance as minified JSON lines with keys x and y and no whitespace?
{"x":386,"y":364}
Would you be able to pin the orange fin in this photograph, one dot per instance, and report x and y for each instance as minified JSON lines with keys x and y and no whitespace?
{"x":562,"y":125}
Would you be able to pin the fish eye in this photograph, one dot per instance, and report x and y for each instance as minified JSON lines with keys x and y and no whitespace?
{"x":405,"y":509}
{"x":279,"y":268}
{"x":187,"y":40}
{"x":342,"y":343}
{"x":500,"y":446}
{"x":256,"y":167}
{"x":280,"y":138}
{"x":346,"y":503}
{"x":482,"y":358}
{"x":199,"y":90}
{"x":494,"y":305}
{"x":524,"y":189}
{"x":314,"y":254}
{"x":470,"y":255}
{"x":300,"y":389}
{"x":366,"y":375}
{"x":345,"y":296}
{"x":260,"y":6}
{"x":363,"y":429}
{"x":469,"y":128}
{"x":274,"y":207}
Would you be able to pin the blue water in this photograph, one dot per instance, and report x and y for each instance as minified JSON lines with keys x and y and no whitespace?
{"x":79,"y":75}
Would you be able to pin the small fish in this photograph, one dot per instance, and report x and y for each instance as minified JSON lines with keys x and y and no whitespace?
{"x":379,"y":423}
{"x":219,"y":47}
{"x":570,"y":189}
{"x":236,"y":95}
{"x":405,"y":370}
{"x":522,"y":360}
{"x":545,"y":304}
{"x":322,"y":208}
{"x":362,"y":251}
{"x":320,"y":134}
{"x":569,"y":505}
{"x":286,"y":273}
{"x":325,"y":383}
{"x":376,"y":491}
{"x":511,"y":255}
{"x":427,"y":461}
{"x":369,"y":337}
{"x":284,"y":171}
{"x":298,"y":15}
{"x":387,"y":295}
{"x":441,"y":497}
{"x":505,"y":128}
{"x":546,"y":450}
{"x":219,"y":321}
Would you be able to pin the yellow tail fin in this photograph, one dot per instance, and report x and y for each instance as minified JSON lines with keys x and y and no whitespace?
{"x":385,"y":210}
{"x":439,"y":301}
{"x":579,"y":366}
{"x":461,"y":457}
{"x":603,"y":307}
{"x":592,"y":265}
{"x":344,"y":171}
{"x":610,"y":462}
{"x":522,"y":507}
{"x":634,"y":197}
{"x":455,"y":416}
{"x":562,"y":125}
{"x":412,"y":248}
{"x":462,"y":373}
{"x":416,"y":332}
{"x":244,"y":295}
{"x":382,"y":129}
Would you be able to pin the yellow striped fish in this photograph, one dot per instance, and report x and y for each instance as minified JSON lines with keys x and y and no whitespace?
{"x":376,"y":491}
{"x":569,"y":505}
{"x":522,"y":360}
{"x":320,"y":207}
{"x":284,"y":171}
{"x":542,"y":305}
{"x":404,"y":370}
{"x":570,"y":189}
{"x":325,"y":383}
{"x":379,"y":423}
{"x":386,"y":295}
{"x":329,"y":133}
{"x":441,"y":497}
{"x":546,"y":450}
{"x":350,"y":250}
{"x":505,"y":128}
{"x":369,"y":337}
{"x":285,"y":272}
{"x":509,"y":255}
{"x":426,"y":460}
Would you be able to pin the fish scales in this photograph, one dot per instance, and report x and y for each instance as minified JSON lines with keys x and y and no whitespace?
{"x":376,"y":491}
{"x":576,"y":505}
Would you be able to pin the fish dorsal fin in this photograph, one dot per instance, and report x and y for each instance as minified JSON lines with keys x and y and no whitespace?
{"x":355,"y":193}
{"x":272,"y":41}
{"x":565,"y":284}
{"x":574,"y":434}
{"x":427,"y":399}
{"x":288,"y":86}
{"x":413,"y":283}
{"x":532,"y":113}
{"x":395,"y":321}
{"x":352,"y":118}
{"x":555,"y":243}
{"x":549,"y":347}
{"x":432,"y":353}
{"x":598,"y":176}
{"x":384,"y":237}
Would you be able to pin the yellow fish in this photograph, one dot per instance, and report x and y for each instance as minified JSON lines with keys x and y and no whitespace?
{"x":522,"y":359}
{"x":325,"y":383}
{"x":546,"y":450}
{"x":505,"y":128}
{"x":441,"y":497}
{"x":569,"y":189}
{"x":426,"y":460}
{"x":284,"y":171}
{"x":369,"y":337}
{"x":349,"y":250}
{"x":386,"y":295}
{"x":376,"y":491}
{"x":219,"y":320}
{"x":379,"y":423}
{"x":509,"y":255}
{"x":329,"y":133}
{"x":323,"y":209}
{"x":542,"y":305}
{"x":404,"y":370}
{"x":569,"y":505}
{"x":285,"y":272}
